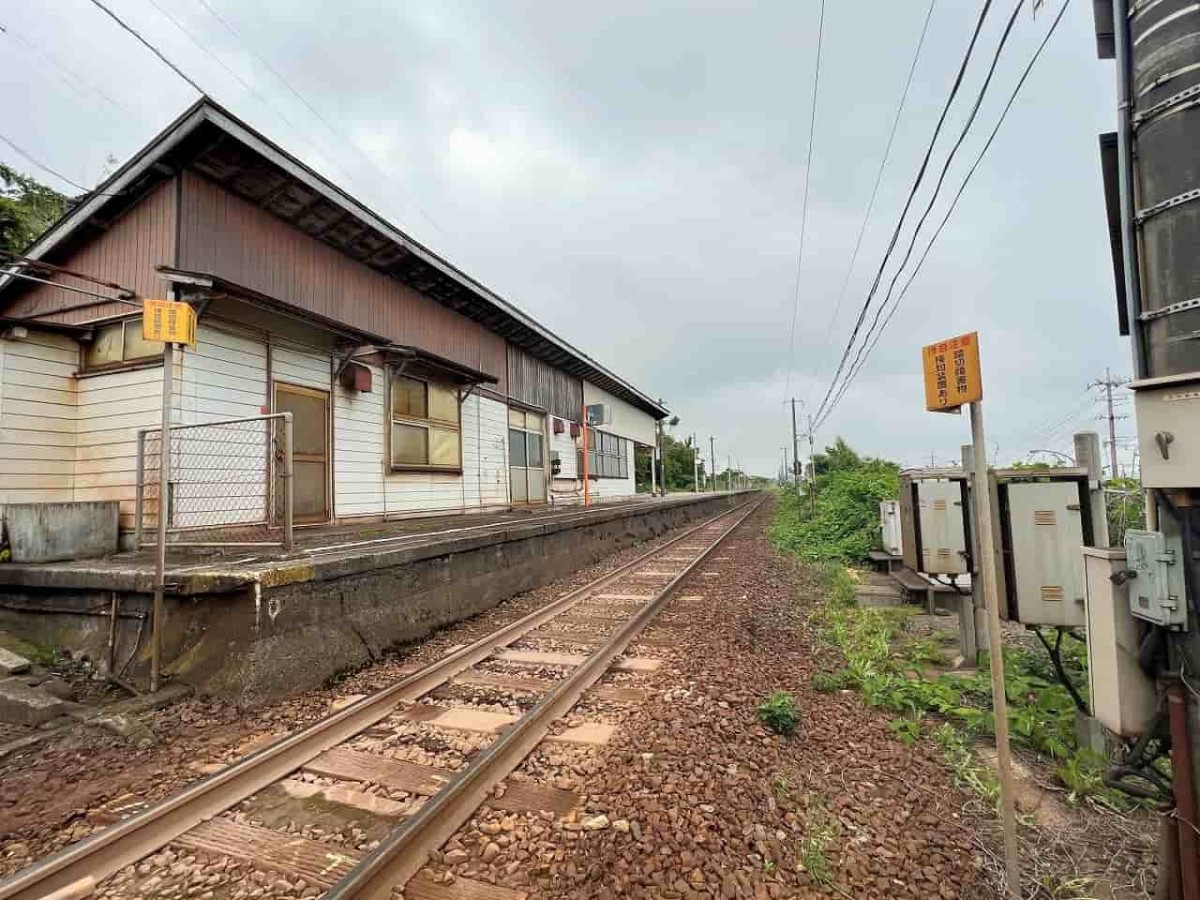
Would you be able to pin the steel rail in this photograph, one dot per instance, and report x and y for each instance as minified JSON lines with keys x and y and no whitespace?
{"x":108,"y":851}
{"x":399,"y":857}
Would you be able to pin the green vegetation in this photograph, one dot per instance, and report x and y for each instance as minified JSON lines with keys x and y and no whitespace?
{"x":27,"y":208}
{"x":820,"y":830}
{"x":845,"y":525}
{"x":888,"y":666}
{"x":1126,"y":506}
{"x":778,"y":712}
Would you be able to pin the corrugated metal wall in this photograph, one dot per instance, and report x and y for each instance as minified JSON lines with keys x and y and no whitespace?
{"x":540,"y":384}
{"x":127,"y":253}
{"x":225,"y":235}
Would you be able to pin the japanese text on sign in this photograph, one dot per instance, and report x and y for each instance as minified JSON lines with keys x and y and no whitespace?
{"x":952,"y":374}
{"x":168,"y":321}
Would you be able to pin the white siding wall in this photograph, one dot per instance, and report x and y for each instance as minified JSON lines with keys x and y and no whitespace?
{"x":301,"y":366}
{"x":566,"y":488}
{"x":37,"y":418}
{"x":359,"y":448}
{"x":224,"y":377}
{"x":627,"y":420}
{"x":112,"y":408}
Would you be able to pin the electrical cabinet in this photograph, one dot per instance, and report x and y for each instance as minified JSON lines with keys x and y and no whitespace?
{"x":942,"y":528}
{"x":1123,"y":698}
{"x":1155,"y":573}
{"x":889,"y":527}
{"x":1168,"y":418}
{"x":1045,"y":533}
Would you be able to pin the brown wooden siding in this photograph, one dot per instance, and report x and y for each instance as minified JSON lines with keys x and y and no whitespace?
{"x":224,"y":235}
{"x":141,"y":239}
{"x":540,"y":384}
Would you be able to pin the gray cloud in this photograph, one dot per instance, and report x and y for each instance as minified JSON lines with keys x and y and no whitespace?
{"x":631,"y":174}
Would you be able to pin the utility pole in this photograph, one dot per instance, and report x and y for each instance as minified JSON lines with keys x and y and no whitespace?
{"x":812,"y":470}
{"x":729,"y":472}
{"x":795,"y":446}
{"x":695,"y":466}
{"x":1108,"y":383}
{"x":712,"y":463}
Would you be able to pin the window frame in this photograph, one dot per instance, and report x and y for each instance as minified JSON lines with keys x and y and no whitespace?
{"x":526,"y":431}
{"x":608,"y":456}
{"x":427,"y":423}
{"x":122,"y":364}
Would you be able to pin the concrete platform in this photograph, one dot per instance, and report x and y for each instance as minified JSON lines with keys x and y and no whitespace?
{"x":253,"y":625}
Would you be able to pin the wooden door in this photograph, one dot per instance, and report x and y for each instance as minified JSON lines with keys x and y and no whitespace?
{"x":310,"y":451}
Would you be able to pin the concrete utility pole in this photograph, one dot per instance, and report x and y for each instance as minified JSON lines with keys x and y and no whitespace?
{"x":1108,"y":383}
{"x":795,"y":446}
{"x":712,"y":463}
{"x":729,"y":473}
{"x":695,"y":466}
{"x":812,"y":469}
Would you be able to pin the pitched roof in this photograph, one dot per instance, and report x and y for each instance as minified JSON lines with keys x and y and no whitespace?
{"x":214,"y":141}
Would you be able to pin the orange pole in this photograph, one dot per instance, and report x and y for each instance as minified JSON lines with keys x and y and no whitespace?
{"x":587,"y":495}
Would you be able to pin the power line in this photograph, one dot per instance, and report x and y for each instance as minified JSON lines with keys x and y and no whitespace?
{"x":937,"y":188}
{"x":149,"y":46}
{"x":887,"y":149}
{"x":45,"y":168}
{"x":812,"y":124}
{"x":69,"y":76}
{"x":312,"y":109}
{"x":862,"y":313}
{"x":953,"y":203}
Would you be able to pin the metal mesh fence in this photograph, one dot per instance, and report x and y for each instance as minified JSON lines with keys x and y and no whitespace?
{"x":229,"y":483}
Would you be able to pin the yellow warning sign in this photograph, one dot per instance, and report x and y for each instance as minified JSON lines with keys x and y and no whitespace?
{"x":952,"y":375}
{"x":168,"y":321}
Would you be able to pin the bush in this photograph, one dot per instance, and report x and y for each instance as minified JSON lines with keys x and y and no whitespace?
{"x":778,"y":712}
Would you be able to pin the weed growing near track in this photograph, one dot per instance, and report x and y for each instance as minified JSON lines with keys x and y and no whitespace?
{"x":778,"y":712}
{"x":887,"y":670}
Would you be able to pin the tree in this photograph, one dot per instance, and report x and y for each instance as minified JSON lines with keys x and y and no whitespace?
{"x":27,"y":208}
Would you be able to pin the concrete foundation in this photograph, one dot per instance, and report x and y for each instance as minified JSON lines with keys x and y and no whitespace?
{"x":262,"y":628}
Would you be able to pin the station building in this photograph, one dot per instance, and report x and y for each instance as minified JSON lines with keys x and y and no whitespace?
{"x":413,"y":388}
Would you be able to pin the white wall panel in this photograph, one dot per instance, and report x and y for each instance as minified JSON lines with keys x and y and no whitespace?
{"x":37,"y":418}
{"x":627,"y":420}
{"x":360,"y":448}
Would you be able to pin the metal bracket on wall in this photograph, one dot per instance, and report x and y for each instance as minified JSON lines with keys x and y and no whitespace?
{"x":1181,"y":306}
{"x":1171,"y":202}
{"x":1175,"y":103}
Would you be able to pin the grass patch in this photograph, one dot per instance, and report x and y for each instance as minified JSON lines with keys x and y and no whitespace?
{"x":820,"y":831}
{"x":778,"y":712}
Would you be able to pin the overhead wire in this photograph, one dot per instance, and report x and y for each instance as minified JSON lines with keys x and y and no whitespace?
{"x":954,"y":203}
{"x":937,"y":188}
{"x":887,"y":149}
{"x":309,"y":106}
{"x":46,"y":168}
{"x":69,"y":76}
{"x":149,"y":46}
{"x":862,"y":313}
{"x":812,"y":124}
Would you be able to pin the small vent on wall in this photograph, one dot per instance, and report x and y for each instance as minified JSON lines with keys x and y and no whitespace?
{"x":939,"y":505}
{"x":1044,"y":517}
{"x":1052,"y":592}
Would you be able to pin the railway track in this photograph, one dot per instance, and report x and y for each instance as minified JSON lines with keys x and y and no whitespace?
{"x":415,"y":759}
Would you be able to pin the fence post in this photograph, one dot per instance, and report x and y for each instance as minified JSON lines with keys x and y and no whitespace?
{"x":139,"y":495}
{"x":288,"y":483}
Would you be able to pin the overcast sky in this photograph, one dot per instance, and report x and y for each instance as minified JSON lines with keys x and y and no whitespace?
{"x":631,"y":173}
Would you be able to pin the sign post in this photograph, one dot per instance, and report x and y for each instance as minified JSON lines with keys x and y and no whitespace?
{"x":170,"y":322}
{"x":952,"y":379}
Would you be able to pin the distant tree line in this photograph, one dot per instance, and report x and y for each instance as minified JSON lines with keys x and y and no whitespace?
{"x":27,"y":208}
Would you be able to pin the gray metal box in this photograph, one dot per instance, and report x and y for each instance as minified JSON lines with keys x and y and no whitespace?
{"x":1156,"y":588}
{"x":943,"y":534}
{"x":889,"y":527}
{"x":1168,"y":425}
{"x":1046,"y":525}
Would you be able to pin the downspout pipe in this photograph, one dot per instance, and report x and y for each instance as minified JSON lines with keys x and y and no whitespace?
{"x":1125,"y":165}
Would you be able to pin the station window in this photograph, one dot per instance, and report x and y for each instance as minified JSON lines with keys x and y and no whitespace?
{"x":426,"y":425}
{"x":120,"y":344}
{"x":608,"y":455}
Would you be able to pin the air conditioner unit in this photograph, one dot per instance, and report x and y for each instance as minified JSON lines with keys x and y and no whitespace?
{"x":599,"y":414}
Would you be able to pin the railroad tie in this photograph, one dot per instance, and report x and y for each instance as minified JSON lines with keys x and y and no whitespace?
{"x":274,"y":851}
